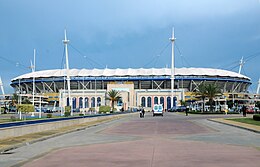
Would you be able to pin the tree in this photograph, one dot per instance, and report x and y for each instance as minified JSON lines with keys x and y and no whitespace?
{"x":26,"y":101}
{"x":25,"y":108}
{"x":183,"y":102}
{"x":212,"y":92}
{"x":113,"y":96}
{"x":202,"y":93}
{"x":15,"y":98}
{"x":257,"y":104}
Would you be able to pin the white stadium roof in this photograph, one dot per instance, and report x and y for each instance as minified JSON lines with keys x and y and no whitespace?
{"x":132,"y":72}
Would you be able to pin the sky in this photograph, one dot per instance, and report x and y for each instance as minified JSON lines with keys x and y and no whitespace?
{"x":129,"y":34}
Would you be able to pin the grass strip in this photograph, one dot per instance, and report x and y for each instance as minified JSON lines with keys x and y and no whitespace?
{"x":246,"y":120}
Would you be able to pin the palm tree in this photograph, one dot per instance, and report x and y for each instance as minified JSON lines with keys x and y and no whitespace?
{"x":212,"y":92}
{"x":183,"y":102}
{"x":14,"y":100}
{"x":202,"y":93}
{"x":113,"y":96}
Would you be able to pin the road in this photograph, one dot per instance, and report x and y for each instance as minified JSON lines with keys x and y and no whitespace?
{"x":172,"y":140}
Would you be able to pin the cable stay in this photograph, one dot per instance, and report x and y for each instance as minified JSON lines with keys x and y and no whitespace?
{"x":156,"y":58}
{"x":231,"y":66}
{"x":91,"y":61}
{"x":183,"y":59}
{"x":62,"y":60}
{"x":17,"y":64}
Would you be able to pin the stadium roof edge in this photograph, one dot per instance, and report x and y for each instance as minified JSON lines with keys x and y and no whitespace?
{"x":132,"y":72}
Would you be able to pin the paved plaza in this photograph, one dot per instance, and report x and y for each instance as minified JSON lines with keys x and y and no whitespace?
{"x":171,"y":140}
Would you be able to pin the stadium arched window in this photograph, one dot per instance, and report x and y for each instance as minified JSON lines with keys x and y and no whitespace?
{"x":86,"y":102}
{"x":99,"y":101}
{"x":174,"y":101}
{"x":143,"y":103}
{"x":74,"y":102}
{"x":168,"y":102}
{"x":162,"y":101}
{"x":149,"y":102}
{"x":80,"y":102}
{"x":155,"y":100}
{"x":93,"y":102}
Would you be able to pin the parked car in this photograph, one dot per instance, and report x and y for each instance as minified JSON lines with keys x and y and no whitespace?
{"x":250,"y":110}
{"x":48,"y":111}
{"x":177,"y":109}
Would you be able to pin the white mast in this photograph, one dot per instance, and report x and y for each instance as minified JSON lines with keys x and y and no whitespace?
{"x":65,"y":41}
{"x":172,"y":39}
{"x":241,"y":65}
{"x":2,"y":86}
{"x":258,"y":87}
{"x":33,"y":70}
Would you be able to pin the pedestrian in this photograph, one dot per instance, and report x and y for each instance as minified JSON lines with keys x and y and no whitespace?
{"x":143,"y":112}
{"x":187,"y":110}
{"x":244,"y":111}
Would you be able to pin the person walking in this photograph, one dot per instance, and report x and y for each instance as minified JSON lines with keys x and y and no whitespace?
{"x":187,"y":110}
{"x":143,"y":112}
{"x":244,"y":111}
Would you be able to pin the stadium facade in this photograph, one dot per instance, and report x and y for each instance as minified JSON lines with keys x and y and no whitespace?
{"x":137,"y":87}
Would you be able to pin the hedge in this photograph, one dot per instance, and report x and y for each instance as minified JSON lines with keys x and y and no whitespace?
{"x":49,"y":115}
{"x":256,"y":117}
{"x":66,"y":113}
{"x":25,"y":107}
{"x":104,"y":109}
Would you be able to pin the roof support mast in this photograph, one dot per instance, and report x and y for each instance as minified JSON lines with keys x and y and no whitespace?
{"x":258,"y":87}
{"x":2,"y":86}
{"x":65,"y":41}
{"x":33,"y":71}
{"x":172,"y":39}
{"x":241,"y":65}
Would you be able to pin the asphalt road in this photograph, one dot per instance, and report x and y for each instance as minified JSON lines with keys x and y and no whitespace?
{"x":172,"y":140}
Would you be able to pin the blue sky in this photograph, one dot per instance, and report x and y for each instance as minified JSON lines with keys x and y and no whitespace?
{"x":129,"y":34}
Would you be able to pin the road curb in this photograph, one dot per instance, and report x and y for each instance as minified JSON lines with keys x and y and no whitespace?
{"x":237,"y":126}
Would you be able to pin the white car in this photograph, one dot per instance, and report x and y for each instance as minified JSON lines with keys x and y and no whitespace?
{"x":158,"y":109}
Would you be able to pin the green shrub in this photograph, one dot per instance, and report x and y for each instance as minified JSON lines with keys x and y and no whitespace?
{"x":25,"y":107}
{"x":104,"y":109}
{"x":67,"y":108}
{"x":67,"y":113}
{"x":81,"y":114}
{"x":256,"y":117}
{"x":91,"y":109}
{"x":49,"y":115}
{"x":13,"y":118}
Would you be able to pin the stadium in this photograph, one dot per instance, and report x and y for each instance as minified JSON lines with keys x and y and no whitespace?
{"x":137,"y":87}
